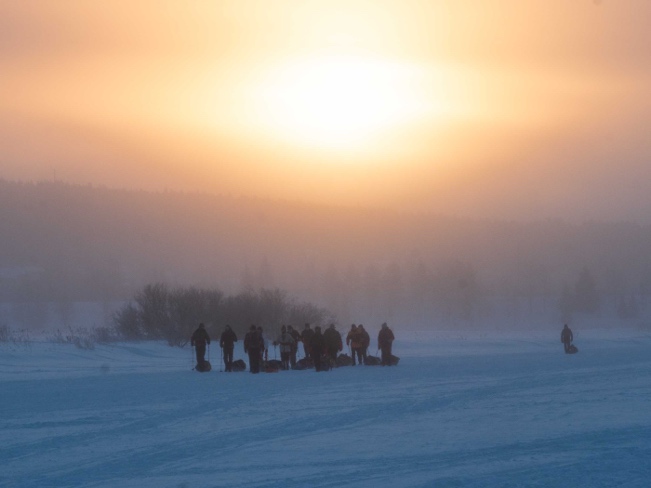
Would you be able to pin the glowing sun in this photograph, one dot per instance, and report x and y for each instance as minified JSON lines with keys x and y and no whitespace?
{"x":338,"y":101}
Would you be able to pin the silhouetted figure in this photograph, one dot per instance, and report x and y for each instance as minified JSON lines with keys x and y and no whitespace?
{"x":354,"y":340}
{"x":227,"y":343}
{"x":365,"y":341}
{"x":265,"y":346}
{"x":297,"y":337}
{"x":317,"y":348}
{"x":333,"y":343}
{"x":566,"y":338}
{"x":286,"y":342}
{"x":199,"y":340}
{"x":384,"y":342}
{"x":253,"y":346}
{"x":306,"y":337}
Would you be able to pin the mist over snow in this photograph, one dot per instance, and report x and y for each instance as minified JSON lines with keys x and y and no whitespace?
{"x":71,"y":255}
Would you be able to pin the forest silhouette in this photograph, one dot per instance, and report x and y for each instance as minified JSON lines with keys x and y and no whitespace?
{"x":63,"y":243}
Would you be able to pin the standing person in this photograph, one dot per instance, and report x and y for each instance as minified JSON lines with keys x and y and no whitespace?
{"x":384,"y":341}
{"x":286,"y":342}
{"x":199,"y":340}
{"x":227,"y":343}
{"x":317,"y":347}
{"x":264,"y":351}
{"x":297,"y":337}
{"x":354,"y":340}
{"x":253,"y":346}
{"x":566,"y":338}
{"x":306,"y":337}
{"x":365,"y":341}
{"x":333,"y":343}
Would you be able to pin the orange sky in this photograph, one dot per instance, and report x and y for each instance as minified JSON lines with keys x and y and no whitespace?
{"x":503,"y":108}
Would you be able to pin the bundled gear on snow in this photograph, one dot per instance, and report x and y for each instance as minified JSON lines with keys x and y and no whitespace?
{"x":238,"y":365}
{"x":345,"y":360}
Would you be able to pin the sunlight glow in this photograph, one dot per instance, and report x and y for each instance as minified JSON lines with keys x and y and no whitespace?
{"x":340,"y":102}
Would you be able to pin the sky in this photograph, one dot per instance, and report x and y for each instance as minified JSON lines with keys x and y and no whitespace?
{"x":488,"y":109}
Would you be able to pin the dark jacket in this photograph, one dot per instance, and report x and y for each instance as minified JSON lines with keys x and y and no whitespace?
{"x":228,"y":339}
{"x":332,"y":339}
{"x":354,"y":338}
{"x":296,"y":336}
{"x":566,"y":335}
{"x":253,"y":340}
{"x":306,"y":336}
{"x":365,"y":339}
{"x":317,"y":343}
{"x":200,"y":337}
{"x":385,"y":338}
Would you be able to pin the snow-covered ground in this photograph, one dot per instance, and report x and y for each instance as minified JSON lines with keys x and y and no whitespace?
{"x":460,"y":410}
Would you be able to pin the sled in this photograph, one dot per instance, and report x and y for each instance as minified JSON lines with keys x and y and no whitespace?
{"x":304,"y":363}
{"x":273,"y":366}
{"x":572,"y":349}
{"x":394,"y":360}
{"x":238,"y":366}
{"x":203,"y":368}
{"x":344,"y":360}
{"x":372,"y":361}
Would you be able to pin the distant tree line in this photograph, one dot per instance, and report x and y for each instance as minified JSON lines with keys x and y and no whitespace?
{"x":61,"y":245}
{"x":161,"y":312}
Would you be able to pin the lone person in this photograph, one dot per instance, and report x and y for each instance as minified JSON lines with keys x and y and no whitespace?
{"x":384,"y":341}
{"x":199,"y":340}
{"x":227,"y":343}
{"x":566,"y":338}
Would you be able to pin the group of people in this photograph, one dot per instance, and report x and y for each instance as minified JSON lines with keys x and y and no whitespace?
{"x":321,"y":348}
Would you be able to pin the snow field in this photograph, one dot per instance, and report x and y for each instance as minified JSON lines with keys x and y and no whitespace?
{"x":458,"y":411}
